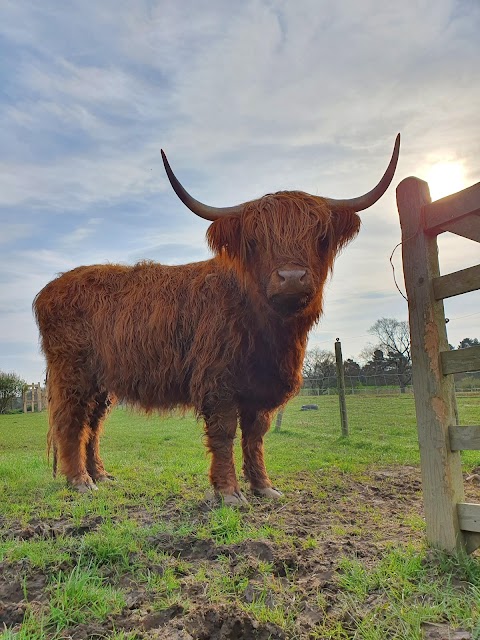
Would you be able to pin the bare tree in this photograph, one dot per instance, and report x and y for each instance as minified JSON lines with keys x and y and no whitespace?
{"x":319,"y":369}
{"x":394,"y":340}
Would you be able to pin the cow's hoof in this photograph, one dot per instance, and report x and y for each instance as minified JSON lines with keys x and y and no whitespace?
{"x":86,"y":488}
{"x":83,"y":485}
{"x":268,"y":492}
{"x":235,"y":499}
{"x":105,"y":477}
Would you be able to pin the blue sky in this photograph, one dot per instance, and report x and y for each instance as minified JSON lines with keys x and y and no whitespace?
{"x":246,"y":98}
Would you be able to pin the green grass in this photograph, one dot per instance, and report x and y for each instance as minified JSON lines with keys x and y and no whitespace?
{"x":79,"y":596}
{"x":130,"y":535}
{"x":168,"y":455}
{"x":414,"y":592}
{"x":227,"y":526}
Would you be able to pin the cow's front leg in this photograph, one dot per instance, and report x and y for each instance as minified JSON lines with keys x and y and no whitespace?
{"x":220,"y":428}
{"x":254,"y":426}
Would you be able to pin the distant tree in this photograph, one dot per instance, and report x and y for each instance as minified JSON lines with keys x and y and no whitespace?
{"x":352,"y":372}
{"x":367,"y":353}
{"x":319,"y":369}
{"x":394,"y":344}
{"x":464,"y":344}
{"x":11,"y":386}
{"x":352,"y":368}
{"x":468,"y":342}
{"x":376,"y":368}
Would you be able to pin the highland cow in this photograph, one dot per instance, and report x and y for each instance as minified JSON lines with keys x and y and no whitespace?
{"x":225,"y":337}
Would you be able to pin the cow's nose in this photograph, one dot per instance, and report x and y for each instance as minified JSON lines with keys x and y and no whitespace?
{"x":291,"y":276}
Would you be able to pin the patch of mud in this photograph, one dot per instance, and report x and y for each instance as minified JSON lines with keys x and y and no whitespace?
{"x":45,"y":529}
{"x":210,"y":623}
{"x":17,"y":593}
{"x":328,"y":516}
{"x":228,"y":624}
{"x":443,"y":632}
{"x":192,"y":549}
{"x":89,"y":630}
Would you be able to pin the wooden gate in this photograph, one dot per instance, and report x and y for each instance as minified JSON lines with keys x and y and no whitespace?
{"x":452,"y":524}
{"x":34,"y":398}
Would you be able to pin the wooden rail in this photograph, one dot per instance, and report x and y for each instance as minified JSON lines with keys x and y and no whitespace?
{"x":464,"y":438}
{"x":461,"y":360}
{"x":469,"y":515}
{"x":450,"y":210}
{"x":454,"y":284}
{"x":452,"y":524}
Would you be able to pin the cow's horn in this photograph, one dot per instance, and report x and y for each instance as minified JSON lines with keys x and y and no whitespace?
{"x":365,"y":201}
{"x":202,"y":210}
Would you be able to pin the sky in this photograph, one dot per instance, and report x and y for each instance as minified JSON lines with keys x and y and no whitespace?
{"x":246,"y":98}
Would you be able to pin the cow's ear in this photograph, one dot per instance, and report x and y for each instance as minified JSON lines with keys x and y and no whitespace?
{"x":346,"y":225}
{"x":225,"y":235}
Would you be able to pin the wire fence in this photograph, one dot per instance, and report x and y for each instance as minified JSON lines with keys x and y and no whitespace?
{"x":34,"y":397}
{"x":384,"y":384}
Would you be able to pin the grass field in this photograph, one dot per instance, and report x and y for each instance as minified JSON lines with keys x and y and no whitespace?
{"x":151,"y":555}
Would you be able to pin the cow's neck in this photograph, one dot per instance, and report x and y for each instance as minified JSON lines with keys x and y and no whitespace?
{"x":282,"y":340}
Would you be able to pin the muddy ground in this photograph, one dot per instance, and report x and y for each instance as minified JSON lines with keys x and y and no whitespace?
{"x":359,"y":519}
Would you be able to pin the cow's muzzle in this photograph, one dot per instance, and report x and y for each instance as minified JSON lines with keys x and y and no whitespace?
{"x":290,"y":289}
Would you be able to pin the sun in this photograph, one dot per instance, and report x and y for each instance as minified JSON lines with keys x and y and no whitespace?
{"x":445,"y":178}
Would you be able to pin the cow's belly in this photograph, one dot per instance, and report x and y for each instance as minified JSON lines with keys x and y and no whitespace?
{"x":268,"y":393}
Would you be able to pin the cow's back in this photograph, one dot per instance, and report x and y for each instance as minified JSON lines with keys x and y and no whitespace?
{"x":148,"y":333}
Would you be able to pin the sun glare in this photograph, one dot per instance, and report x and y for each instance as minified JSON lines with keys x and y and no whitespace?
{"x":445,"y":178}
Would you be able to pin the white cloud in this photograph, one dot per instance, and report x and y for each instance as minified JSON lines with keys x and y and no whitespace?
{"x":80,"y":234}
{"x":245,"y":98}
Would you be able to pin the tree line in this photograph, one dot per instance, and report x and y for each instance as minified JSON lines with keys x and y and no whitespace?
{"x":386,"y":363}
{"x":11,"y":387}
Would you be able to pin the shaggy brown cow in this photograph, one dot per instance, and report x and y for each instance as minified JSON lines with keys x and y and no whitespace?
{"x":226,"y":336}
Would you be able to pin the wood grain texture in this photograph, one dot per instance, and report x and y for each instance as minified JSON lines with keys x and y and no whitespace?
{"x":441,"y":212}
{"x":469,"y":516}
{"x":461,"y":360}
{"x":454,"y":284}
{"x":467,"y":227}
{"x":435,"y":401}
{"x":464,"y":438}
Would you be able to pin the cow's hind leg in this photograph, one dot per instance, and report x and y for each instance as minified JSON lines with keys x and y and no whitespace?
{"x":220,"y":429}
{"x":254,"y":426}
{"x":95,"y":467}
{"x":70,"y":406}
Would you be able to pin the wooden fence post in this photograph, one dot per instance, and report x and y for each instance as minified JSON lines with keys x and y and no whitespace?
{"x":341,"y":387}
{"x":434,"y":392}
{"x":39,"y":397}
{"x":278,"y":421}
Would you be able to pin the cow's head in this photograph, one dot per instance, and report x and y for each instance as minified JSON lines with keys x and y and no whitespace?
{"x":284,"y":244}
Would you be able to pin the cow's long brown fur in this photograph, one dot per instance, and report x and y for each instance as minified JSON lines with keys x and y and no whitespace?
{"x":199,"y":335}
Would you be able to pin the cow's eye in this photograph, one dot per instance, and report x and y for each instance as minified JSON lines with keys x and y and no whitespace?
{"x":322,"y":245}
